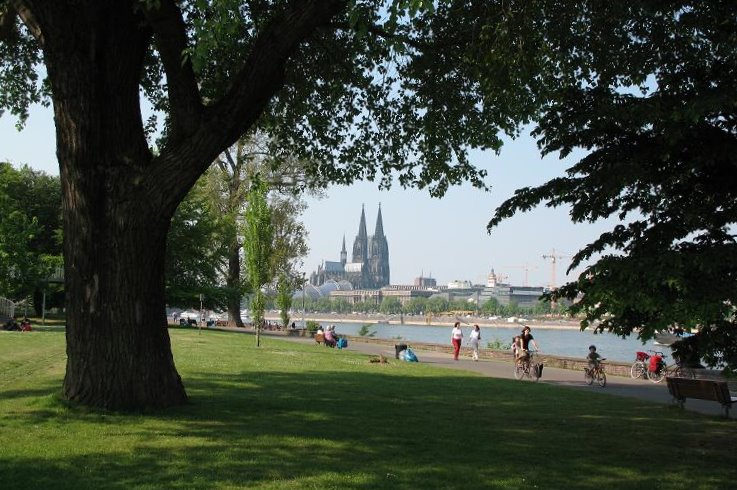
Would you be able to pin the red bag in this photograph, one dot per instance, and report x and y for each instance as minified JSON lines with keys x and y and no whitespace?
{"x":654,"y":365}
{"x":642,"y":356}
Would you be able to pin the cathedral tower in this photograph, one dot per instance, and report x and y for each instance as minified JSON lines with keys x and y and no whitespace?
{"x":360,"y":244}
{"x":379,"y":255}
{"x":343,"y":253}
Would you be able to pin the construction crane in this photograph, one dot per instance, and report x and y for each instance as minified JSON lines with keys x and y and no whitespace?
{"x":526,"y":268}
{"x":553,"y":258}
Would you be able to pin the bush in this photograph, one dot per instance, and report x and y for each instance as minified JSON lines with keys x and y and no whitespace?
{"x":312,"y":326}
{"x":497,"y":344}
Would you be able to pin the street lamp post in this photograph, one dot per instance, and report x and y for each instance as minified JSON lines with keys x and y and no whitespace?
{"x":304,"y":286}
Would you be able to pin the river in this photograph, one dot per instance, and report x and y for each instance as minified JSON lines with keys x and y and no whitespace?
{"x":570,"y":342}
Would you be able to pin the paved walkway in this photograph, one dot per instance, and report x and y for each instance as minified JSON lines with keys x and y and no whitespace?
{"x":616,"y":385}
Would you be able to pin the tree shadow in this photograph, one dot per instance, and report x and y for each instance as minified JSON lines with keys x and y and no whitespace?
{"x":374,"y":430}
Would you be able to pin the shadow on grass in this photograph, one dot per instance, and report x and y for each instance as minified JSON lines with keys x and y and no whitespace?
{"x":380,"y":430}
{"x":39,"y":389}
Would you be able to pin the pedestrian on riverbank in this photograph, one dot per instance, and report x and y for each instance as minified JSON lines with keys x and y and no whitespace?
{"x":456,"y":337}
{"x":475,"y":338}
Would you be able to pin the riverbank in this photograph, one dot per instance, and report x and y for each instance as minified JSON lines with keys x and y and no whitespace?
{"x":568,"y":341}
{"x":434,"y":321}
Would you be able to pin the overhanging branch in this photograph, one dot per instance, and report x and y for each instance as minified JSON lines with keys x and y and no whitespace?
{"x":171,"y":40}
{"x":8,"y":11}
{"x":263,"y":72}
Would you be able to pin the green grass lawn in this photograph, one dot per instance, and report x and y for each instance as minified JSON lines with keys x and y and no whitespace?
{"x":289,"y":415}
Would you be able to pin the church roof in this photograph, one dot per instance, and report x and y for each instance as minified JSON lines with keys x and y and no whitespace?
{"x":331,"y":266}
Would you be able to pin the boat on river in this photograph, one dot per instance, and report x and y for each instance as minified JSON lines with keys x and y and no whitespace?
{"x":666,"y":339}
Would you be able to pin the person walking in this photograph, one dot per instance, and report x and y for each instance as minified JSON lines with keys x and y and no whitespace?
{"x":456,"y":337}
{"x":475,"y":338}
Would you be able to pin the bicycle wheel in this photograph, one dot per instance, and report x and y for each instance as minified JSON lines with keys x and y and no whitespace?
{"x":601,"y":378}
{"x":656,"y":376}
{"x":535,"y":372}
{"x":637,"y":370}
{"x":587,"y":376}
{"x":519,"y":371}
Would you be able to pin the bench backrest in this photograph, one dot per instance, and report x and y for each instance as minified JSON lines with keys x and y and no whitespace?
{"x":703,"y":389}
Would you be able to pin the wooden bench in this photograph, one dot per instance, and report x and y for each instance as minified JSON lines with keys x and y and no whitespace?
{"x":319,"y":338}
{"x":702,"y":389}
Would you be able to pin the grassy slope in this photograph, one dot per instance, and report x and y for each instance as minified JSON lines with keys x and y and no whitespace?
{"x":301,"y":416}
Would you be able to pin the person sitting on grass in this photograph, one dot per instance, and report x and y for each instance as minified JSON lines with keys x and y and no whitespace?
{"x":11,"y":325}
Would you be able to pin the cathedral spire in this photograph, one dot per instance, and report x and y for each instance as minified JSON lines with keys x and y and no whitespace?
{"x":362,"y":226}
{"x":343,"y":253}
{"x":360,"y":244}
{"x":379,"y":232}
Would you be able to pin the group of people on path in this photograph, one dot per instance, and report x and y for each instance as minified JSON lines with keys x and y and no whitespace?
{"x":520,"y":343}
{"x":456,"y":338}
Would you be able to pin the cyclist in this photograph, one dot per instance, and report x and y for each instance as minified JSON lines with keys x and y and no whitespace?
{"x":525,"y":339}
{"x":594,"y":358}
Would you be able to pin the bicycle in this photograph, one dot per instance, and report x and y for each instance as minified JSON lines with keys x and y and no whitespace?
{"x":639,"y":367}
{"x":658,"y":370}
{"x":595,"y":373}
{"x":525,"y":367}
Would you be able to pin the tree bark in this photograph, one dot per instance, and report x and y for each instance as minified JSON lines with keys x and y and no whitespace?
{"x":118,"y":349}
{"x":233,"y":282}
{"x":118,"y":199}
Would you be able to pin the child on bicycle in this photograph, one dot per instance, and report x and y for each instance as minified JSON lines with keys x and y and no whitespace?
{"x":594,"y":358}
{"x":516,"y":346}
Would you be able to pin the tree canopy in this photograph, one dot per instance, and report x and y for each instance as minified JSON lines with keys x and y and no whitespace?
{"x":649,"y":93}
{"x":30,"y":230}
{"x":366,"y":89}
{"x":372,"y":89}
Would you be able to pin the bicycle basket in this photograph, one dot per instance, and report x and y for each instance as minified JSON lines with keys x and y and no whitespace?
{"x":642,"y":356}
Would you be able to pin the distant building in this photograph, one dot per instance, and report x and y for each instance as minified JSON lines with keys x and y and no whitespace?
{"x":460,"y":285}
{"x":425,"y":282}
{"x":369,"y":267}
{"x":505,"y":294}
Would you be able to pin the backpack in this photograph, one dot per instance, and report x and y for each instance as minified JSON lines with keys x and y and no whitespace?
{"x":654,"y":366}
{"x":409,"y":355}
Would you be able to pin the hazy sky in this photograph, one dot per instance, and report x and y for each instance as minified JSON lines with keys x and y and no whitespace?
{"x":445,"y":238}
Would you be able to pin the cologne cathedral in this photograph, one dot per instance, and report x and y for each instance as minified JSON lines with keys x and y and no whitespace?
{"x":369,"y":267}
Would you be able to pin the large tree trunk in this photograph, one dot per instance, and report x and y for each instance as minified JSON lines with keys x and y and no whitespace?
{"x":233,"y":282}
{"x":117,"y":199}
{"x":115,"y":219}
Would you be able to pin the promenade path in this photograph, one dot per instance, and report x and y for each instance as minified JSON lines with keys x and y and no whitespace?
{"x":616,"y":385}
